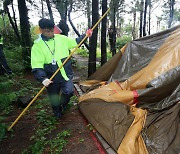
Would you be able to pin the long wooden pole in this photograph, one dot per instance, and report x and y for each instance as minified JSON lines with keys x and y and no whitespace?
{"x":32,"y":101}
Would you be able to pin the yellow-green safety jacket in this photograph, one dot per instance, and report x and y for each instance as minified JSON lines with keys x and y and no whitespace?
{"x":44,"y":51}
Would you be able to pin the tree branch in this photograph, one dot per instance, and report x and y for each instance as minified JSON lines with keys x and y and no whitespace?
{"x":74,"y":28}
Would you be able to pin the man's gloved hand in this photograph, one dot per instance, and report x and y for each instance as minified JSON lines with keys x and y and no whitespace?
{"x":47,"y":82}
{"x":89,"y":32}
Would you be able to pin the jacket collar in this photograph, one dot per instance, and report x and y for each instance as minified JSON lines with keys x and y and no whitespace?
{"x":44,"y":38}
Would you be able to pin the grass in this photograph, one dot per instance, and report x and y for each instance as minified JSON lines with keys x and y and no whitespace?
{"x":47,"y":123}
{"x":14,"y":58}
{"x":81,"y":140}
{"x":82,"y":52}
{"x":3,"y":128}
{"x":9,"y":86}
{"x":90,"y":127}
{"x":57,"y":144}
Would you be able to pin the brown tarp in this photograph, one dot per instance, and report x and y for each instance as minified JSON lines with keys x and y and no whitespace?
{"x":148,"y":76}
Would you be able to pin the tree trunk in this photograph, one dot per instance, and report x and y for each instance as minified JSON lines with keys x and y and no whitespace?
{"x":50,"y":10}
{"x":88,"y":13}
{"x":103,"y":34}
{"x":145,"y":13}
{"x":134,"y":21}
{"x":141,"y":18}
{"x":25,"y":32}
{"x":93,"y":39}
{"x":62,"y":6}
{"x":114,"y":32}
{"x":150,"y":6}
{"x":14,"y":16}
{"x":74,"y":28}
{"x":42,"y":6}
{"x":12,"y":23}
{"x":171,"y":7}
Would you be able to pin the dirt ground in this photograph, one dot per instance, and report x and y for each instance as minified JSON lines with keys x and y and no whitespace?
{"x":18,"y":140}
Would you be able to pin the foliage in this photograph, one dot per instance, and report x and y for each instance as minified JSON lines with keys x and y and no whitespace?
{"x":5,"y":102}
{"x":166,"y":12}
{"x":33,"y":30}
{"x":6,"y":98}
{"x":82,"y":52}
{"x":127,"y":29}
{"x":7,"y":31}
{"x":13,"y":55}
{"x":10,"y":90}
{"x":176,"y":16}
{"x":13,"y":86}
{"x":90,"y":127}
{"x":3,"y":129}
{"x":47,"y":123}
{"x":120,"y":42}
{"x":81,"y":140}
{"x":98,"y":53}
{"x":57,"y":144}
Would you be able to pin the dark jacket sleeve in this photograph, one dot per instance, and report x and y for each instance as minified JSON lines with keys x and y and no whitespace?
{"x":80,"y":38}
{"x":39,"y":74}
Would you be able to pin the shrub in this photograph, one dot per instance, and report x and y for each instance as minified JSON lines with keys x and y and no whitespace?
{"x":120,"y":42}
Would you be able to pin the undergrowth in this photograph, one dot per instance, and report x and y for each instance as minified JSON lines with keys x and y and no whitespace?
{"x":42,"y":140}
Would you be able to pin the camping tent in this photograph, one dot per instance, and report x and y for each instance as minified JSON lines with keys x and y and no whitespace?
{"x":133,"y":100}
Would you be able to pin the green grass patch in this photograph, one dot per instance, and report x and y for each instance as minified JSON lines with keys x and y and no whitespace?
{"x":57,"y":144}
{"x":3,"y":129}
{"x":82,"y":52}
{"x":47,"y":123}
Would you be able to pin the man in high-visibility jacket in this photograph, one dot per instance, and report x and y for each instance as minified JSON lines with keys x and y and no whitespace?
{"x":4,"y":68}
{"x":47,"y":54}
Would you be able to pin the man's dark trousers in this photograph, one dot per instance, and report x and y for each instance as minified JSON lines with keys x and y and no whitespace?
{"x":59,"y":102}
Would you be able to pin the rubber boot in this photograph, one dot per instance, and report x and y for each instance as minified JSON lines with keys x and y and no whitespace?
{"x":64,"y":100}
{"x":57,"y":111}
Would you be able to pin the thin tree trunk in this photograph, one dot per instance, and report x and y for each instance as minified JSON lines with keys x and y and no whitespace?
{"x":14,"y":15}
{"x":171,"y":7}
{"x":62,"y":6}
{"x":4,"y":21}
{"x":117,"y":19}
{"x":25,"y":32}
{"x":145,"y":13}
{"x":93,"y":39}
{"x":103,"y":34}
{"x":141,"y":18}
{"x":134,"y":23}
{"x":74,"y":28}
{"x":50,"y":10}
{"x":88,"y":13}
{"x":114,"y":32}
{"x":12,"y":23}
{"x":150,"y":6}
{"x":42,"y":6}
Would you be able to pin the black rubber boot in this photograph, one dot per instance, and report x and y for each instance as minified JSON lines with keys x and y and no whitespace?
{"x":64,"y":100}
{"x":57,"y":111}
